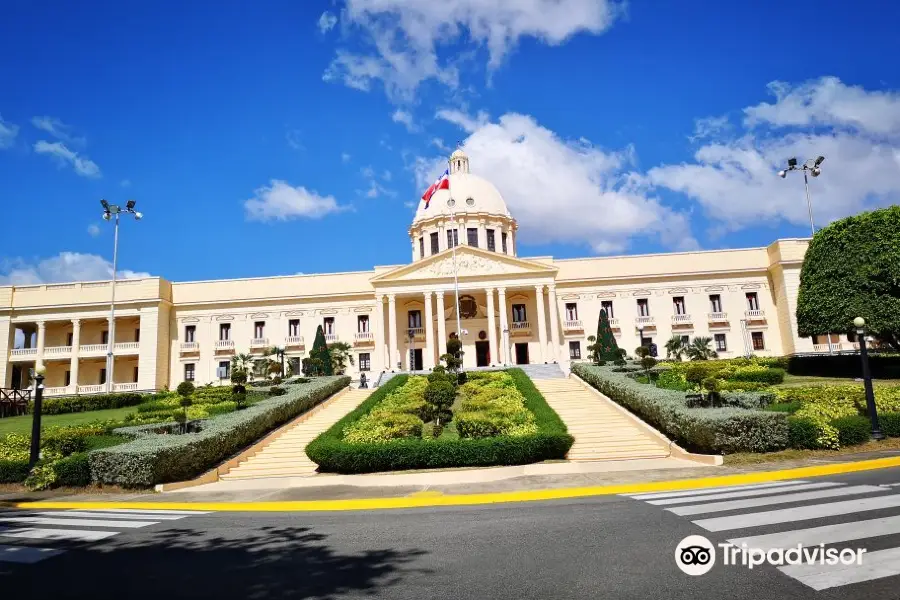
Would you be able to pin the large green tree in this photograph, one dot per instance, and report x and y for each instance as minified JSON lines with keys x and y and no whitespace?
{"x":604,"y":346}
{"x":320,"y":356}
{"x":852,"y":269}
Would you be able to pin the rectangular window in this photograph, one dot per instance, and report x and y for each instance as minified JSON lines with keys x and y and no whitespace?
{"x":752,"y":301}
{"x":472,"y":236}
{"x":224,"y":370}
{"x":435,"y":248}
{"x":646,"y":341}
{"x":137,"y":335}
{"x":851,"y":336}
{"x":102,"y":376}
{"x":135,"y":375}
{"x":189,"y":333}
{"x":503,"y":241}
{"x":571,"y":311}
{"x":721,"y":346}
{"x":518,"y":313}
{"x":415,"y":319}
{"x":643,"y":307}
{"x":685,"y":339}
{"x":362,"y":323}
{"x":294,"y":328}
{"x":259,"y":330}
{"x":715,"y":303}
{"x":189,"y":371}
{"x":492,"y":245}
{"x":678,"y":303}
{"x":452,"y":238}
{"x":365,"y":362}
{"x":758,"y":342}
{"x":421,"y":247}
{"x":68,"y":377}
{"x":608,"y":307}
{"x":104,"y":337}
{"x":294,"y":365}
{"x":574,"y":350}
{"x":328,"y":325}
{"x":70,"y":339}
{"x":224,"y":332}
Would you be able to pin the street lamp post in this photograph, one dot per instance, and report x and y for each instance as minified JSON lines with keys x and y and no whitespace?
{"x":860,"y":324}
{"x":110,"y":211}
{"x":35,"y":454}
{"x":640,"y":335}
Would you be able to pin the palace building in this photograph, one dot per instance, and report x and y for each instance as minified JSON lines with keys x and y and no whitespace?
{"x":512,"y":310}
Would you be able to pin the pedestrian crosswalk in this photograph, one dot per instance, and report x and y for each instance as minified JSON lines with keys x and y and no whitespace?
{"x":26,"y":537}
{"x":783,"y":515}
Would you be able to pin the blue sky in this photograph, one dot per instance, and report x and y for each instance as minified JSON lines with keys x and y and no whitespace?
{"x":284,"y":137}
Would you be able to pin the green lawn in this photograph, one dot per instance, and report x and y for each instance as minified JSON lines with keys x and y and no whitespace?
{"x":23,"y":424}
{"x":807,"y":380}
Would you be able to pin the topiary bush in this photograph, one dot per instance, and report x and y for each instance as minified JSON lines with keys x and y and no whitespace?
{"x":803,"y":433}
{"x":710,"y":430}
{"x":277,"y":391}
{"x":853,"y":430}
{"x":73,"y":470}
{"x":185,"y":389}
{"x":73,"y":404}
{"x":890,"y":423}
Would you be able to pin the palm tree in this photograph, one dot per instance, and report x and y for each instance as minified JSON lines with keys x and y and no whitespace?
{"x":675,"y":347}
{"x":279,"y":353}
{"x":340,"y":356}
{"x":700,"y":348}
{"x":242,"y":362}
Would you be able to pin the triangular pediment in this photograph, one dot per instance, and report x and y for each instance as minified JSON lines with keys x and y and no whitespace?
{"x":470,"y":263}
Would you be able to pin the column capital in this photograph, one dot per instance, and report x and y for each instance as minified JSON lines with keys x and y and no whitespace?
{"x":392,"y":298}
{"x":489,"y":290}
{"x":501,"y":291}
{"x":440,"y":294}
{"x":76,"y":322}
{"x":41,"y":324}
{"x":539,"y":288}
{"x":379,"y":298}
{"x":427,"y":294}
{"x":551,"y":287}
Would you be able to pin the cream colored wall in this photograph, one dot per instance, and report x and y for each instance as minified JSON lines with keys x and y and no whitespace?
{"x":6,"y":344}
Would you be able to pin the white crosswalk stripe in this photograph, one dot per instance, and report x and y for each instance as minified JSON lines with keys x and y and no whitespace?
{"x":72,"y":526}
{"x":757,"y":506}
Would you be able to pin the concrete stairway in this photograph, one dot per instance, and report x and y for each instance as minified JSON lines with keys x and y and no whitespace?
{"x":286,"y":456}
{"x":601,"y":430}
{"x":551,"y":371}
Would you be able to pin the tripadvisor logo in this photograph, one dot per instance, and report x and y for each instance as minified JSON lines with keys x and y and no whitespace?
{"x":695,"y":555}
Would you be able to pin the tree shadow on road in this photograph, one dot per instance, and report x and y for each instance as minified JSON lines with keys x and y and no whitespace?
{"x":246,"y":563}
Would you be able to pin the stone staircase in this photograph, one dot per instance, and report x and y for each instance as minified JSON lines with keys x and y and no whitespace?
{"x":550,"y":371}
{"x":601,"y":430}
{"x":286,"y":456}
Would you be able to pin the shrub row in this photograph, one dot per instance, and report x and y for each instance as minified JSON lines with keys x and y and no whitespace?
{"x":398,"y":414}
{"x":72,"y":404}
{"x":710,"y":430}
{"x":492,"y":406}
{"x":882,"y":366}
{"x":551,"y":441}
{"x":156,"y":456}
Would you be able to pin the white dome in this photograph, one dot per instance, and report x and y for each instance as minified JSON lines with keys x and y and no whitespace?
{"x":469,"y":194}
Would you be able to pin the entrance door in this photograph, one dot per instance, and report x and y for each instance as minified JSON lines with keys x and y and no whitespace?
{"x":415,"y":359}
{"x":482,"y":354}
{"x":16,"y":377}
{"x":522,"y":354}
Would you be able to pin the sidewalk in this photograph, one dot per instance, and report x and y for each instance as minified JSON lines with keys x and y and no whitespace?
{"x":425,"y":483}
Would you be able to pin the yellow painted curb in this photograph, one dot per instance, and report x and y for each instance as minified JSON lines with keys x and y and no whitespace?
{"x":422,"y":501}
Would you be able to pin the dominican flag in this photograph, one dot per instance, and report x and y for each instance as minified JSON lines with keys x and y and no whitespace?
{"x":441,"y":183}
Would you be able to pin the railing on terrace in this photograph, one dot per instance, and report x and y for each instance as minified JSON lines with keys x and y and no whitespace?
{"x":574,"y":324}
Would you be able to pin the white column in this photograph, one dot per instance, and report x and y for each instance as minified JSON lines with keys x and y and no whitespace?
{"x":542,"y":322}
{"x":504,"y":325}
{"x":379,"y":332}
{"x":415,"y":252}
{"x":492,"y":327}
{"x":392,"y":331}
{"x":554,"y":323}
{"x":428,"y":360}
{"x":73,"y":362}
{"x":7,"y":341}
{"x":42,"y":330}
{"x":442,"y":326}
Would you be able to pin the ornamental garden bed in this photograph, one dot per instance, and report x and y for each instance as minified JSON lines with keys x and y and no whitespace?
{"x":495,"y":418}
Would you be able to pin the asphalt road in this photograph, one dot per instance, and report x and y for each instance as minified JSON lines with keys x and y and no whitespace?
{"x":603,"y":547}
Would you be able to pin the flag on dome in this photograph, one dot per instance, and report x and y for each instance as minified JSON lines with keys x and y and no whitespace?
{"x":441,"y":183}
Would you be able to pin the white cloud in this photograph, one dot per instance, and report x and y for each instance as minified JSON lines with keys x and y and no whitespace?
{"x":710,"y":127}
{"x":93,"y":230}
{"x":374,"y":187}
{"x":8,"y":133}
{"x":82,"y":165}
{"x":65,"y":266}
{"x":57,"y":129}
{"x":405,"y":118}
{"x":282,"y":201}
{"x":564,"y":191}
{"x":734,"y":179}
{"x":462,"y":120}
{"x":327,"y":22}
{"x":411,"y":39}
{"x":439,"y":144}
{"x":345,"y":157}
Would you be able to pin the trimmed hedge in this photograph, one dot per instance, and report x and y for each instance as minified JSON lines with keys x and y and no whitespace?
{"x":157,"y":456}
{"x":13,"y":471}
{"x":552,"y":441}
{"x":853,"y":430}
{"x":709,"y":430}
{"x":882,"y":366}
{"x":890,"y":424}
{"x":73,"y":404}
{"x":73,"y":470}
{"x":803,"y":433}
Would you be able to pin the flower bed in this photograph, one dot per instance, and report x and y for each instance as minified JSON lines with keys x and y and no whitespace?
{"x":736,"y":374}
{"x":152,"y":458}
{"x":709,"y":430}
{"x":396,"y":443}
